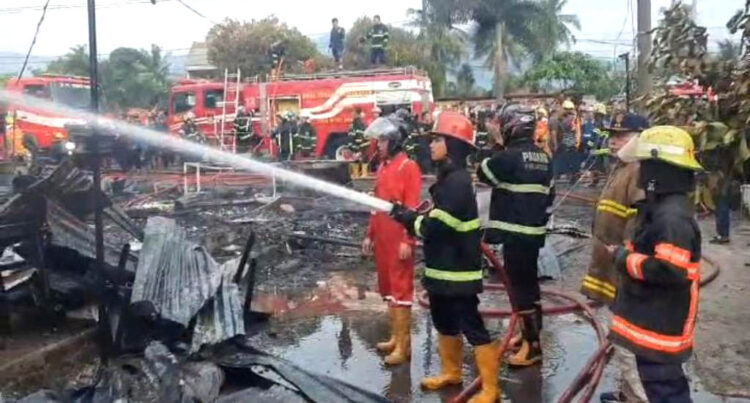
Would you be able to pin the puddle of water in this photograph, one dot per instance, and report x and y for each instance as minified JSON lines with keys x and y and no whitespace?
{"x":342,"y":346}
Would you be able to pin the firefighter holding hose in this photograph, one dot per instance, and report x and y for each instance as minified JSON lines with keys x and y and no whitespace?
{"x":398,"y":181}
{"x":657,"y":303}
{"x":521,"y":177}
{"x":453,"y":274}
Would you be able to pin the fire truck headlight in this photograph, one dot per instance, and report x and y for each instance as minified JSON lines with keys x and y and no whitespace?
{"x":59,"y":135}
{"x":70,"y":146}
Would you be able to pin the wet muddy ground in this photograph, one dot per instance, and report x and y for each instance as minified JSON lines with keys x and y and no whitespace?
{"x":328,"y":316}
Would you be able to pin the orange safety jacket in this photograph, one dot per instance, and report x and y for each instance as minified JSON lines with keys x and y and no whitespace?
{"x":541,"y":135}
{"x":657,"y":303}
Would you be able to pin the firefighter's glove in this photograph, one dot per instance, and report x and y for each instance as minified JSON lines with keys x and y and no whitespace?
{"x":619,"y":256}
{"x":404,"y":215}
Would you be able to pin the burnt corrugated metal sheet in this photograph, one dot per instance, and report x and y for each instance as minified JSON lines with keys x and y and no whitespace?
{"x":222,"y":317}
{"x":70,"y":232}
{"x":182,"y":280}
{"x":65,"y":181}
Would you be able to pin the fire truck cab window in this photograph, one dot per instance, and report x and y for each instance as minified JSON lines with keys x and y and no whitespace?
{"x":184,"y":102}
{"x":213,"y":98}
{"x":37,"y":90}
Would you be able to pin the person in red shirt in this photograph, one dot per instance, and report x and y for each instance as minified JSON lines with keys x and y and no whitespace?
{"x":398,"y":181}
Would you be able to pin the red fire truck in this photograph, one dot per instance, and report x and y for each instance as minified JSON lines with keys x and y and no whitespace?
{"x":44,"y":127}
{"x":329,"y":99}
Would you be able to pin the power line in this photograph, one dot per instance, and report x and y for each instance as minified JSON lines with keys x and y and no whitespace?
{"x":197,"y":12}
{"x":33,"y":41}
{"x":22,"y":9}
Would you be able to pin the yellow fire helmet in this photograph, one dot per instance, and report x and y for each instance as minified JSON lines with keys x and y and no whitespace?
{"x":568,"y":104}
{"x":667,"y":143}
{"x":600,"y":108}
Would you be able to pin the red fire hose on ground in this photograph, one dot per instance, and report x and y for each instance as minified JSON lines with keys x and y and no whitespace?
{"x":588,"y":378}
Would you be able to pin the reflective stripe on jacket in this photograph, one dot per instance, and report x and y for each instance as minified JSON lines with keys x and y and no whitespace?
{"x":451,"y":236}
{"x":657,"y":304}
{"x":378,"y":36}
{"x":521,"y":177}
{"x":613,"y":223}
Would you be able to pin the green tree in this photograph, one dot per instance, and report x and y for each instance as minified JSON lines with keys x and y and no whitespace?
{"x":402,"y":47}
{"x":4,"y":78}
{"x":246,"y":45}
{"x":75,"y":62}
{"x":441,"y":42}
{"x":506,"y":32}
{"x":729,"y":51}
{"x":129,"y":78}
{"x":464,"y":85}
{"x":555,"y":28}
{"x":573,"y":72}
{"x":135,"y":78}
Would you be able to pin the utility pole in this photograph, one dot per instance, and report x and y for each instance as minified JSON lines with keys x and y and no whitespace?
{"x":104,"y":333}
{"x":626,"y":56}
{"x":644,"y":46}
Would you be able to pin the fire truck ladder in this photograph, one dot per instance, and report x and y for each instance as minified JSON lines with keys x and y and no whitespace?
{"x":232,"y":89}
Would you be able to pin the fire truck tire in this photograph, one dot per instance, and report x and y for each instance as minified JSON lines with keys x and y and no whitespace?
{"x":334,"y":143}
{"x":343,"y":153}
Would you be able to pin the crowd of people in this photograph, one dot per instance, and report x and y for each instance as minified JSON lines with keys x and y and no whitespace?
{"x":645,"y":262}
{"x":134,"y":155}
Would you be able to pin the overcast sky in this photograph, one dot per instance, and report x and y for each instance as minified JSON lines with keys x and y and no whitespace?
{"x":169,"y":24}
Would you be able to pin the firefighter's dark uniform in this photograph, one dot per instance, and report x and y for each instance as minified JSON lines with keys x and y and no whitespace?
{"x":417,"y":145}
{"x":243,"y":130}
{"x":359,"y":144}
{"x":285,"y":137}
{"x":656,"y":305}
{"x":521,"y":178}
{"x":453,"y":272}
{"x":306,"y":140}
{"x":378,"y":37}
{"x":657,"y":302}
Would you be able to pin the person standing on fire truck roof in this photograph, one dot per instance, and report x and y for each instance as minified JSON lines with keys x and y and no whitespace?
{"x":521,"y":177}
{"x":336,"y":42}
{"x":398,"y":181}
{"x":378,"y":37}
{"x":657,"y":305}
{"x":453,"y":260}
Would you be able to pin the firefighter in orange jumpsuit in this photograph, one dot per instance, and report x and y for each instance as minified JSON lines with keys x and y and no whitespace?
{"x":398,"y":181}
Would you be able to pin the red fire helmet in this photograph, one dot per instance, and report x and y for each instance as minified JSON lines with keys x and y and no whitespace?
{"x":456,"y":125}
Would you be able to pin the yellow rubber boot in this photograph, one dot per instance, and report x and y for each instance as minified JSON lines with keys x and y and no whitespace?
{"x":402,"y":333}
{"x":388,"y":346}
{"x":364,"y":170}
{"x":354,"y":170}
{"x":488,"y":363}
{"x":530,"y":352}
{"x":451,"y":358}
{"x":515,"y":341}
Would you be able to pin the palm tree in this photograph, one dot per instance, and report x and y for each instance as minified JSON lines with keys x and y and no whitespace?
{"x":505,"y":30}
{"x":442,"y":43}
{"x":556,"y":28}
{"x":729,"y":50}
{"x":465,"y":79}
